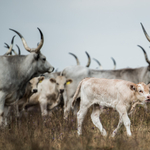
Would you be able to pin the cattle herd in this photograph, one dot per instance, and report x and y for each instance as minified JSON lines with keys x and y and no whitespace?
{"x":28,"y":82}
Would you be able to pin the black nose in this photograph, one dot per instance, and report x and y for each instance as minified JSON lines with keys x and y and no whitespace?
{"x":61,"y":90}
{"x":35,"y":90}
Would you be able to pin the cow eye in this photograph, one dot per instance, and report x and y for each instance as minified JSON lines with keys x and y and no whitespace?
{"x":57,"y":83}
{"x":44,"y":59}
{"x":65,"y":84}
{"x":141,"y":91}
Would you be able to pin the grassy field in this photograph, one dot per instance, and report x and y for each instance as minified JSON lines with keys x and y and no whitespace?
{"x":35,"y":133}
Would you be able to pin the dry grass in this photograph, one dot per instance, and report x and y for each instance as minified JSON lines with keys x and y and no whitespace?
{"x":35,"y":133}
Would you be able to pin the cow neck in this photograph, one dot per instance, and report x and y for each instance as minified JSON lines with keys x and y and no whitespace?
{"x":29,"y":70}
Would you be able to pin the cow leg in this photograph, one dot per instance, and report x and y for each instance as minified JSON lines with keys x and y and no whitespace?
{"x":75,"y":109}
{"x":53,"y":106}
{"x":95,"y":118}
{"x":6,"y":114}
{"x":123,"y":118}
{"x":118,"y":126}
{"x":67,"y":108}
{"x":17,"y":110}
{"x":80,"y":117}
{"x":65,"y":105}
{"x":43,"y":106}
{"x":2,"y":102}
{"x":145,"y":107}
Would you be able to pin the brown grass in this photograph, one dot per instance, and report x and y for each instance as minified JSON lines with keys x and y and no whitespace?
{"x":35,"y":133}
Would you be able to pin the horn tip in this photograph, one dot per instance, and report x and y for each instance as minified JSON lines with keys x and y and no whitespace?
{"x":38,"y":28}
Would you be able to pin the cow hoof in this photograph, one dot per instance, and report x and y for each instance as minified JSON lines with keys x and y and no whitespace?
{"x":104,"y":133}
{"x":65,"y":118}
{"x":129,"y":135}
{"x":113,"y":134}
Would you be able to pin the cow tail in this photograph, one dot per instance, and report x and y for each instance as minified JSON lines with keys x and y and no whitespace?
{"x":76,"y":94}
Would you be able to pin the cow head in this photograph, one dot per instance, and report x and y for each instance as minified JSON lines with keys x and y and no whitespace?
{"x":34,"y":83}
{"x":61,"y":82}
{"x":36,"y":57}
{"x":141,"y":91}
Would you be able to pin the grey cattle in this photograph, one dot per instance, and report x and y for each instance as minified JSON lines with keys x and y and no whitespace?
{"x":49,"y":93}
{"x":31,"y":88}
{"x":78,"y":73}
{"x":16,"y":71}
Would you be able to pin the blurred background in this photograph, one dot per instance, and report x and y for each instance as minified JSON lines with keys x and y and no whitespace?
{"x":104,"y":29}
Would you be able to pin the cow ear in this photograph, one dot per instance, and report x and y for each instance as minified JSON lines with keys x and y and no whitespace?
{"x":52,"y":80}
{"x":36,"y":56}
{"x":148,"y":85}
{"x":132,"y":87}
{"x":68,"y":81}
{"x":41,"y":79}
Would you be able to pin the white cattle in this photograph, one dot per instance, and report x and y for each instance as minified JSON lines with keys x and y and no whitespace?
{"x":49,"y":93}
{"x":118,"y":94}
{"x":31,"y":88}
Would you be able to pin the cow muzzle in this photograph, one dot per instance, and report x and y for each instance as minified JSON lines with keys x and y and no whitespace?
{"x":148,"y":98}
{"x":35,"y":90}
{"x":61,"y":91}
{"x":51,"y":69}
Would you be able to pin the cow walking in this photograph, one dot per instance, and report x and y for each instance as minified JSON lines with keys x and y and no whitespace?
{"x":117,"y":94}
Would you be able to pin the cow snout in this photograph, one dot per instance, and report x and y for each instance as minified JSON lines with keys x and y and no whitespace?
{"x":51,"y":69}
{"x":35,"y":90}
{"x":148,"y":97}
{"x":61,"y":90}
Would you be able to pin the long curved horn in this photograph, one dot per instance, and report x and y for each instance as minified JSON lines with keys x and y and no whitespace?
{"x":146,"y":57}
{"x":11,"y":46}
{"x":98,"y":63}
{"x":77,"y":60}
{"x":36,"y":50}
{"x":14,"y":52}
{"x":114,"y":62}
{"x":7,"y":46}
{"x":19,"y":51}
{"x":147,"y":36}
{"x":89,"y":59}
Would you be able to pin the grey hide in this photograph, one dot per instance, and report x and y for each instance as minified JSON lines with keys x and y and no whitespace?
{"x":16,"y":71}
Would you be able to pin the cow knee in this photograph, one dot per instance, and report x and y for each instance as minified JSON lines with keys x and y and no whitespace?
{"x":127,"y":123}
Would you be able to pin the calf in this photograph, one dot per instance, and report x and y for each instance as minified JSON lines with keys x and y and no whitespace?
{"x":118,"y":94}
{"x":49,"y":94}
{"x":31,"y":88}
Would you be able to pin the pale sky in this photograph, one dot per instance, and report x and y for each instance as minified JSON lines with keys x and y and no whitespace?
{"x":103,"y":28}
